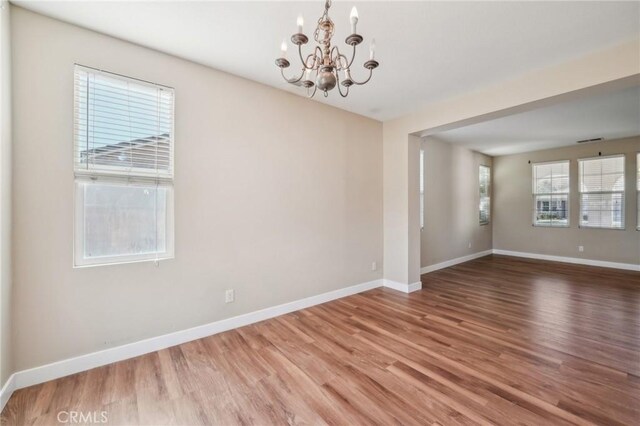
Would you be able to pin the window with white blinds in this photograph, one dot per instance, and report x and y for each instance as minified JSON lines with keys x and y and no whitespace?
{"x":422,"y":189}
{"x":551,"y":194}
{"x":123,"y":164}
{"x":122,"y":126}
{"x":485,"y":195}
{"x":602,"y":192}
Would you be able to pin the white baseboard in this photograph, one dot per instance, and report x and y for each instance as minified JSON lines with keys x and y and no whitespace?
{"x":575,"y":260}
{"x":7,"y":390}
{"x":69,"y":366}
{"x":455,"y":261}
{"x":405,"y":288}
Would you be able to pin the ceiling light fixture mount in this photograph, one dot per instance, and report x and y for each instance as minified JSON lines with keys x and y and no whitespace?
{"x":331,"y":67}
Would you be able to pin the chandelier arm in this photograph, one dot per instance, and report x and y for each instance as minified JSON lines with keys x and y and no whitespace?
{"x":353,"y":56}
{"x":313,"y":55}
{"x":318,"y":49}
{"x":315,"y":87}
{"x":336,"y":59}
{"x":315,"y":61}
{"x":304,"y":63}
{"x":292,"y":80}
{"x":364,"y":82}
{"x":348,"y":64}
{"x":345,"y":94}
{"x":335,"y":55}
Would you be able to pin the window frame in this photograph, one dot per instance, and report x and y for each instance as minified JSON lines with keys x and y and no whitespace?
{"x":535,"y":194}
{"x":422,"y":189}
{"x":488,"y":196}
{"x":126,"y":177}
{"x":638,"y":191}
{"x":623,"y":192}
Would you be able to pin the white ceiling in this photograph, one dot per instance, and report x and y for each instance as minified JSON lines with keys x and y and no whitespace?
{"x":428,"y":51}
{"x":610,"y":116}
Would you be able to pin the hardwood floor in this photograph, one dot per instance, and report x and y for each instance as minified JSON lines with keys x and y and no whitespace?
{"x":497,"y":340}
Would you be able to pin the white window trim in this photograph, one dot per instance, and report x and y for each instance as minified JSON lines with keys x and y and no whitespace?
{"x":118,"y":175}
{"x":488,"y":221}
{"x":624,"y":195}
{"x":638,"y":191}
{"x":534,"y":195}
{"x":422,"y":189}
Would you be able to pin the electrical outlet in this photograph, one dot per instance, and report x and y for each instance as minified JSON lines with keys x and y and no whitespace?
{"x":229,"y":296}
{"x":580,"y":249}
{"x":374,"y":266}
{"x":469,"y":244}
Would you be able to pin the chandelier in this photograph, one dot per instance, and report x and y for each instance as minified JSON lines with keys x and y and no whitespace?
{"x":328,"y":67}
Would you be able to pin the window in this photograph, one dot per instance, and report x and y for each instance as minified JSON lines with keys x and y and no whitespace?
{"x":485,"y":195}
{"x":602,"y":192}
{"x":638,"y":191}
{"x":123,"y":165}
{"x":551,"y":194}
{"x":422,"y":189}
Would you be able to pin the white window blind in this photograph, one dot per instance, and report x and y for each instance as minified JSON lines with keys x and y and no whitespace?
{"x":122,"y":126}
{"x":123,"y":163}
{"x":485,"y":195}
{"x":551,"y":194}
{"x":602,"y":192}
{"x":422,"y":189}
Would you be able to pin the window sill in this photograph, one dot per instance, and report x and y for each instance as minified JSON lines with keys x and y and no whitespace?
{"x":601,"y":227}
{"x":124,"y":262}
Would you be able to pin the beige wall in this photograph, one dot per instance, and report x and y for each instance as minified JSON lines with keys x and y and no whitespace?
{"x":452,"y":197}
{"x":5,"y":195}
{"x":266,"y":200}
{"x":513,"y":207}
{"x":401,"y":239}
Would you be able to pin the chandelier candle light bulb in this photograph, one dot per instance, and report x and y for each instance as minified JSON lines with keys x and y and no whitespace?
{"x":354,"y":19}
{"x":327,"y":63}
{"x":372,"y":49}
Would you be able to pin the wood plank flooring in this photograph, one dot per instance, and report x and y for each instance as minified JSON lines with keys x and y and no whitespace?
{"x":497,"y":340}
